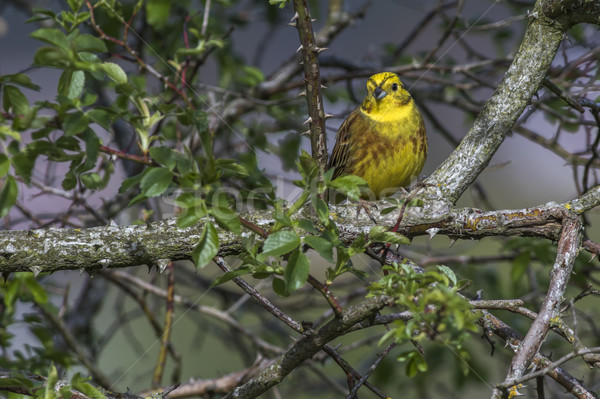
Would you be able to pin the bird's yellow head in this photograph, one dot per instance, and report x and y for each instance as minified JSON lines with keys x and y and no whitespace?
{"x":386,"y":95}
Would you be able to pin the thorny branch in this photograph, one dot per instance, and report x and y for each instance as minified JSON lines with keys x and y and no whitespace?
{"x":312,"y":80}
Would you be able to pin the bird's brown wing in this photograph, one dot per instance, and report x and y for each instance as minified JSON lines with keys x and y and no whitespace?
{"x":341,"y":149}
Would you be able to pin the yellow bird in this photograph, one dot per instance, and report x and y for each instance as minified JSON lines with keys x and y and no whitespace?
{"x":383,"y":141}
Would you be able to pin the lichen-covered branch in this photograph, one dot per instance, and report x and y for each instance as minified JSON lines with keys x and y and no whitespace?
{"x":568,"y":248}
{"x":156,"y":243}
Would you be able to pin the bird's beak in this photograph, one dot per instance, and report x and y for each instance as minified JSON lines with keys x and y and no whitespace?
{"x":379,"y":94}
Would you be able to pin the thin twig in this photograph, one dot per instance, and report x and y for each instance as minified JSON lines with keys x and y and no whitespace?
{"x":361,"y":382}
{"x":166,"y":335}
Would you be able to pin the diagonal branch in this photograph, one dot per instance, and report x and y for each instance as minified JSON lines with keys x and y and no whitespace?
{"x":568,"y":247}
{"x":306,"y":348}
{"x":493,"y":325}
{"x":527,"y":71}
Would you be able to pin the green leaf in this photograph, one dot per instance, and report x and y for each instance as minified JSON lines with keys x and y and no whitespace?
{"x":157,"y":12}
{"x":80,"y":384}
{"x":349,"y":185}
{"x":70,"y":181}
{"x":279,"y":287}
{"x":11,"y":292}
{"x":296,"y":271}
{"x":92,"y":180}
{"x":227,"y":219}
{"x":280,"y":242}
{"x":230,"y":168}
{"x":99,"y":116}
{"x":8,"y":131}
{"x":23,"y":164}
{"x":130,"y":182}
{"x":251,"y":76}
{"x":8,"y":195}
{"x":87,"y":42}
{"x":92,"y":148}
{"x":75,"y":123}
{"x":19,"y":79}
{"x":280,"y":3}
{"x":51,"y":36}
{"x":39,"y":293}
{"x":75,"y":4}
{"x":415,"y":363}
{"x":67,"y":143}
{"x":207,"y":248}
{"x":321,"y":245}
{"x":114,"y":72}
{"x":15,"y":101}
{"x":446,"y":271}
{"x":4,"y":165}
{"x":165,"y":156}
{"x":322,"y":210}
{"x":71,"y":83}
{"x":16,"y":380}
{"x":155,"y":181}
{"x":243,"y":270}
{"x":51,"y":382}
{"x":381,"y":234}
{"x":306,"y":225}
{"x":307,"y":167}
{"x":519,"y":265}
{"x":50,"y":56}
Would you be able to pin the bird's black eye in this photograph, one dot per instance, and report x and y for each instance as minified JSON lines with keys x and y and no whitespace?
{"x":395,"y":87}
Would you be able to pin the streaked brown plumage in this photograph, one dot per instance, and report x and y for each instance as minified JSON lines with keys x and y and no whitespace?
{"x":384,"y":140}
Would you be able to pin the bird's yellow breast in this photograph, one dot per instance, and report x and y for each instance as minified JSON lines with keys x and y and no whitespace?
{"x":383,"y":141}
{"x":389,"y":150}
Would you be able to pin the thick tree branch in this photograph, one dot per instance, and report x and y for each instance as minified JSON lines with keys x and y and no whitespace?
{"x":117,"y":247}
{"x":306,"y":348}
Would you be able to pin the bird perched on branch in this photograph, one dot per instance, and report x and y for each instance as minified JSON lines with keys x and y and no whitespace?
{"x":383,"y":141}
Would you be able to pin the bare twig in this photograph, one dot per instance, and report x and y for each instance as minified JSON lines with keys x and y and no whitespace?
{"x":79,"y":352}
{"x":166,"y":335}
